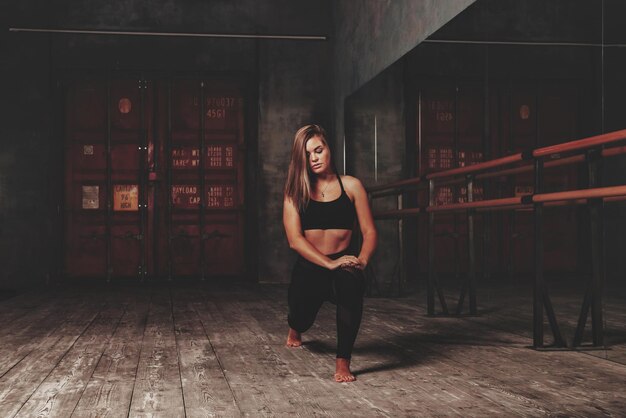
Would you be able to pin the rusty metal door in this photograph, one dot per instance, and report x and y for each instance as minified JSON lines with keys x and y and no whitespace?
{"x":154,"y":178}
{"x":536,"y":115}
{"x":450,"y":135}
{"x":522,"y":116}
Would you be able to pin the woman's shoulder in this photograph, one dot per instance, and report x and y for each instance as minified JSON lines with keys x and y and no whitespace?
{"x":351,"y":184}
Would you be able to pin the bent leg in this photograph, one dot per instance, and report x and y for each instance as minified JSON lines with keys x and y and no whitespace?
{"x":305,"y":297}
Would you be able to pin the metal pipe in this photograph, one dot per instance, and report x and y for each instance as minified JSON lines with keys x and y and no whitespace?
{"x":479,"y":42}
{"x":172,"y":34}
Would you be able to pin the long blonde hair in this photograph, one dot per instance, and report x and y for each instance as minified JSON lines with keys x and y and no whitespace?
{"x":300,"y":179}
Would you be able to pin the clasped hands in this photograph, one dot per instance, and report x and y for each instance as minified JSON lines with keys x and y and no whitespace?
{"x":347,"y":261}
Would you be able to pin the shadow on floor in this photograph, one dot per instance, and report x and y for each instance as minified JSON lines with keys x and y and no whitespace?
{"x":405,"y":350}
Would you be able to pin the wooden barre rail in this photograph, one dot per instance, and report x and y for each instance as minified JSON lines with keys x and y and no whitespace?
{"x":576,"y":159}
{"x":529,"y":206}
{"x":580,"y":144}
{"x":595,"y":193}
{"x":601,"y":192}
{"x":508,"y":201}
{"x":498,"y":162}
{"x":396,"y":187}
{"x":576,"y":197}
{"x":577,"y":145}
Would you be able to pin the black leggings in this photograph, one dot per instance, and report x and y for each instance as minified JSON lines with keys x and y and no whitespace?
{"x":311,"y":285}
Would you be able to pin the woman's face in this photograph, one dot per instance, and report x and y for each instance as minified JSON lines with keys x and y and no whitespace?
{"x":318,"y":155}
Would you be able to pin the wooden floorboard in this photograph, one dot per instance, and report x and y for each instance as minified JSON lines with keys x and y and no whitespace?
{"x":109,"y":391}
{"x":206,"y":390}
{"x":62,"y":389}
{"x":25,"y":334}
{"x":22,"y":382}
{"x":158,"y":390}
{"x":217,"y":349}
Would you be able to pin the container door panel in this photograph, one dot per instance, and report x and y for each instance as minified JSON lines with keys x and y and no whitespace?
{"x":85,"y":180}
{"x":154,"y":178}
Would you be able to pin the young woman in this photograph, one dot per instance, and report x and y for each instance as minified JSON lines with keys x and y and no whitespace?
{"x":319,"y":213}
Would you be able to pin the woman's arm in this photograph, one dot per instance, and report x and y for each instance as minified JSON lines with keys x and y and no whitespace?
{"x":366,"y":220}
{"x":297,"y":241}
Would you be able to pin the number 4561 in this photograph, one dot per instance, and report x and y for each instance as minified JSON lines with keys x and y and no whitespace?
{"x":216,"y":113}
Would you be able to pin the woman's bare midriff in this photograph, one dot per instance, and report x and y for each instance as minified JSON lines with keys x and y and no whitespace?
{"x":329,"y":241}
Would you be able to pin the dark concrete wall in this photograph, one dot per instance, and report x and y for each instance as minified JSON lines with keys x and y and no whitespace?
{"x":375,"y":147}
{"x":293,"y":79}
{"x":292,"y":94}
{"x":372,"y":35}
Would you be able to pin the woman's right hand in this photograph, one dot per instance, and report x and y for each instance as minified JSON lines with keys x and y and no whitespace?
{"x":344,"y":261}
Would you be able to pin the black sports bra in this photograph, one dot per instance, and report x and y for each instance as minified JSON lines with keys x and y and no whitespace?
{"x":336,"y":214}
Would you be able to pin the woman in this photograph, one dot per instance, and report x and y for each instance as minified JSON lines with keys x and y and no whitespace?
{"x":319,"y":212}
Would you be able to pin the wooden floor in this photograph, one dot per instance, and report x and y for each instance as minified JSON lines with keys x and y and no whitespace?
{"x":203,"y":350}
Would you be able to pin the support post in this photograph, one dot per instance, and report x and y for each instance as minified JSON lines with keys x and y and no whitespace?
{"x":471,"y":248}
{"x":595,"y":208}
{"x":401,"y":269}
{"x":597,"y":251}
{"x":109,"y":187}
{"x":430,"y":291}
{"x":538,"y":260}
{"x":170,"y":180}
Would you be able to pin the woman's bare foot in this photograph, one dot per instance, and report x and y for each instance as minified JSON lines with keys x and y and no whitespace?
{"x":342,"y":371}
{"x":294,"y":339}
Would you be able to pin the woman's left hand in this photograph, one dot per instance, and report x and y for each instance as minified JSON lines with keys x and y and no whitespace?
{"x":362,"y":264}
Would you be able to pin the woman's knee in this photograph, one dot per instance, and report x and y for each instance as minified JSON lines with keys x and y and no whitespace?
{"x":300,"y":320}
{"x":350,"y":283}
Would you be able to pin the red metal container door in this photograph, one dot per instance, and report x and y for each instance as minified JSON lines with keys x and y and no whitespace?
{"x":154,"y":178}
{"x":105,"y":194}
{"x":206,"y":178}
{"x":436,"y":144}
{"x":521,"y":118}
{"x":185,"y":177}
{"x":449,"y":135}
{"x":131,"y":115}
{"x":541,"y":115}
{"x":224,"y":163}
{"x":85,"y":180}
